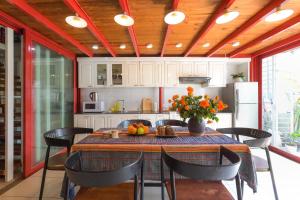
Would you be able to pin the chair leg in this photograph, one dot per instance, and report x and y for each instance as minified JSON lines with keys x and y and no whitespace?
{"x":162,"y":178}
{"x":242,"y":187}
{"x":271,"y":173}
{"x":173,"y":188}
{"x":135,"y":187}
{"x":238,"y":187}
{"x":44,"y":173}
{"x":142,"y":182}
{"x":67,"y":184}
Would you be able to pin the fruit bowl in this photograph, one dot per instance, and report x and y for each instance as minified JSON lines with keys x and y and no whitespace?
{"x":137,"y":129}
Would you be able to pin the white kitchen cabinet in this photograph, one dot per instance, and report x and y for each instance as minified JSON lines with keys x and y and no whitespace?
{"x":171,"y":74}
{"x":99,"y":121}
{"x":100,"y":74}
{"x":83,"y":121}
{"x":112,"y":121}
{"x":201,"y":69}
{"x":186,"y":69}
{"x":149,"y":117}
{"x":132,"y":74}
{"x":147,"y":73}
{"x":85,"y":75}
{"x":217,"y":72}
{"x":117,"y":74}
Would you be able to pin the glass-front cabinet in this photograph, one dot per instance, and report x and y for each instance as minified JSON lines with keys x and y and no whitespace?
{"x":101,"y":74}
{"x":117,"y":74}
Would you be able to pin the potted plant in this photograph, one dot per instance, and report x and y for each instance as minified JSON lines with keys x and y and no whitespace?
{"x":296,"y":139}
{"x":239,"y":77}
{"x":197,"y":109}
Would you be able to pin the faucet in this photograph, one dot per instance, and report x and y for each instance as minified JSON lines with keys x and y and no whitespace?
{"x":123,"y":104}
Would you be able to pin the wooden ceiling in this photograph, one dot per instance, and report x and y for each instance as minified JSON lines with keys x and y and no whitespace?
{"x":149,"y":25}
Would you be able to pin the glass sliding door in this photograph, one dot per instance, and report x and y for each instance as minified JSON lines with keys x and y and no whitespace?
{"x":52,"y":96}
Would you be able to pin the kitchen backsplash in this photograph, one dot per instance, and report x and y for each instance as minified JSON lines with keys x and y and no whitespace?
{"x":134,"y":96}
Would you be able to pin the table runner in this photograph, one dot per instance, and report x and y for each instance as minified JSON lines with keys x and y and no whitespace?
{"x":204,"y":148}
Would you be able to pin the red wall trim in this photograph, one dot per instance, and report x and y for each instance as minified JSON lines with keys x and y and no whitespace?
{"x":161,"y":99}
{"x":75,"y":93}
{"x":285,"y":154}
{"x":282,"y":49}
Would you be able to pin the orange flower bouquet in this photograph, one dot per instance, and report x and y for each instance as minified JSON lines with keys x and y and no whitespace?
{"x":197,"y":109}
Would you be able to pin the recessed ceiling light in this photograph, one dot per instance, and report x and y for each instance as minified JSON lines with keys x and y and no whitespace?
{"x":76,"y":21}
{"x":205,"y":45}
{"x":123,"y":46}
{"x":235,"y":44}
{"x":178,"y":45}
{"x":227,"y":17}
{"x":124,"y":20}
{"x":95,"y":46}
{"x":149,"y":46}
{"x":174,"y":17}
{"x":279,"y":14}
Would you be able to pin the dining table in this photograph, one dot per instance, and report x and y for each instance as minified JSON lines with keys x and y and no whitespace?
{"x":204,"y":149}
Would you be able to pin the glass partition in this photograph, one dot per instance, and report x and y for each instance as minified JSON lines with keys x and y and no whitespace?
{"x":52,"y":95}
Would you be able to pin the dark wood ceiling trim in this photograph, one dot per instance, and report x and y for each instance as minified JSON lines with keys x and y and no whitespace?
{"x":168,"y":31}
{"x":75,"y":6}
{"x":209,"y":24}
{"x":125,"y":7}
{"x":247,"y":25}
{"x":265,"y":36}
{"x":277,"y":45}
{"x":22,"y":5}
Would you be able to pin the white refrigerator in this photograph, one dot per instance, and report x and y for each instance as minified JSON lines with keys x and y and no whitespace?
{"x":242,"y":100}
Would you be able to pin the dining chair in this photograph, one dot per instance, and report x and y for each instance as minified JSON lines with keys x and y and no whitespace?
{"x":102,"y":175}
{"x":126,"y":123}
{"x":204,"y":181}
{"x":61,"y":137}
{"x":256,"y":139}
{"x":170,"y":122}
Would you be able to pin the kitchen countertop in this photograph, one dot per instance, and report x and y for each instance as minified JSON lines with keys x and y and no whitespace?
{"x":133,"y":112}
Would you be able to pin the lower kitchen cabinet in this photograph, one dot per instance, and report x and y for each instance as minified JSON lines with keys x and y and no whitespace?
{"x":83,"y":121}
{"x":98,"y":122}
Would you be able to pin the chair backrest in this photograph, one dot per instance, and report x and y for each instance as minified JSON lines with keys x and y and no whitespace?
{"x":91,"y":169}
{"x":170,"y":122}
{"x":261,"y":138}
{"x":64,"y":137}
{"x":126,"y":123}
{"x":205,"y":172}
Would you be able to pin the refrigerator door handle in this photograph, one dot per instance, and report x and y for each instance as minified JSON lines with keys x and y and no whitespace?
{"x":237,"y":111}
{"x":237,"y":96}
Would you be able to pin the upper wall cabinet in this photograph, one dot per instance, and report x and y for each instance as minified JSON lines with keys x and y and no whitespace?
{"x":217,"y":72}
{"x":171,"y":74}
{"x":101,"y":74}
{"x":117,"y":74}
{"x":201,"y":69}
{"x":132,"y":74}
{"x":85,"y":75}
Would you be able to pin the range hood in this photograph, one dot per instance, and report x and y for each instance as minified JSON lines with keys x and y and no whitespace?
{"x":200,"y":80}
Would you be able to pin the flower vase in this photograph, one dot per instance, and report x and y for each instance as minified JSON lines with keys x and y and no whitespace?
{"x":196,"y":127}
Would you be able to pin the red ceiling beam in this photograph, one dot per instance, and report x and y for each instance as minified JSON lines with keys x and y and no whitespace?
{"x":75,"y":6}
{"x":209,"y":24}
{"x":23,"y":5}
{"x":267,"y":35}
{"x":125,"y":7}
{"x":247,"y":25}
{"x":174,"y":7}
{"x":277,"y":45}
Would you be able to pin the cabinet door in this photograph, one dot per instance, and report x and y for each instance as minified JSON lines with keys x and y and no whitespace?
{"x":99,"y":122}
{"x":146,"y":74}
{"x":85,"y":75}
{"x":201,"y":69}
{"x":171,"y":74}
{"x":132,"y":73}
{"x":84,"y":121}
{"x":117,"y":74}
{"x":217,"y":72}
{"x":101,"y":74}
{"x":159,"y":74}
{"x":186,"y":69}
{"x":149,"y":117}
{"x":112,"y":121}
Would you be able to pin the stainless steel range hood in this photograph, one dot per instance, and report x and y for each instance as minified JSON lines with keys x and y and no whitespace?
{"x":203,"y":81}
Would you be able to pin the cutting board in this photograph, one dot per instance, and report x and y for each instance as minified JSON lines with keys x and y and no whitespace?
{"x":147,"y":104}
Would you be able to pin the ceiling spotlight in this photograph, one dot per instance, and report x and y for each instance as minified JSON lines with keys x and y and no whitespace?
{"x":279,"y":14}
{"x":174,"y":17}
{"x":95,"y":46}
{"x":235,"y":44}
{"x":76,"y":21}
{"x":178,"y":45}
{"x":227,"y":17}
{"x":205,"y":45}
{"x":149,"y":46}
{"x":124,"y":20}
{"x":123,"y":46}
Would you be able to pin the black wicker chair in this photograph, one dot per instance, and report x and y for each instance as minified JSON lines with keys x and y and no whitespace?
{"x":211,"y":176}
{"x":99,"y":170}
{"x":126,"y":123}
{"x":258,"y":139}
{"x":62,"y":137}
{"x":170,"y":122}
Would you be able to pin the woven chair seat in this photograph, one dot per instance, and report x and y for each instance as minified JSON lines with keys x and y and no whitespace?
{"x":57,"y":161}
{"x":187,"y":189}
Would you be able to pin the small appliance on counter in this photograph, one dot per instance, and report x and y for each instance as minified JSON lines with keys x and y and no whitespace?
{"x":147,"y":105}
{"x":94,"y":105}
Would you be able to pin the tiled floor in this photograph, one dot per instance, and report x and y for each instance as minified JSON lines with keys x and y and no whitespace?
{"x":287,"y":177}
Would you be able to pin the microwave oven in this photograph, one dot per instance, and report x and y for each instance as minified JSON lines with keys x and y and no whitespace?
{"x":97,"y":106}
